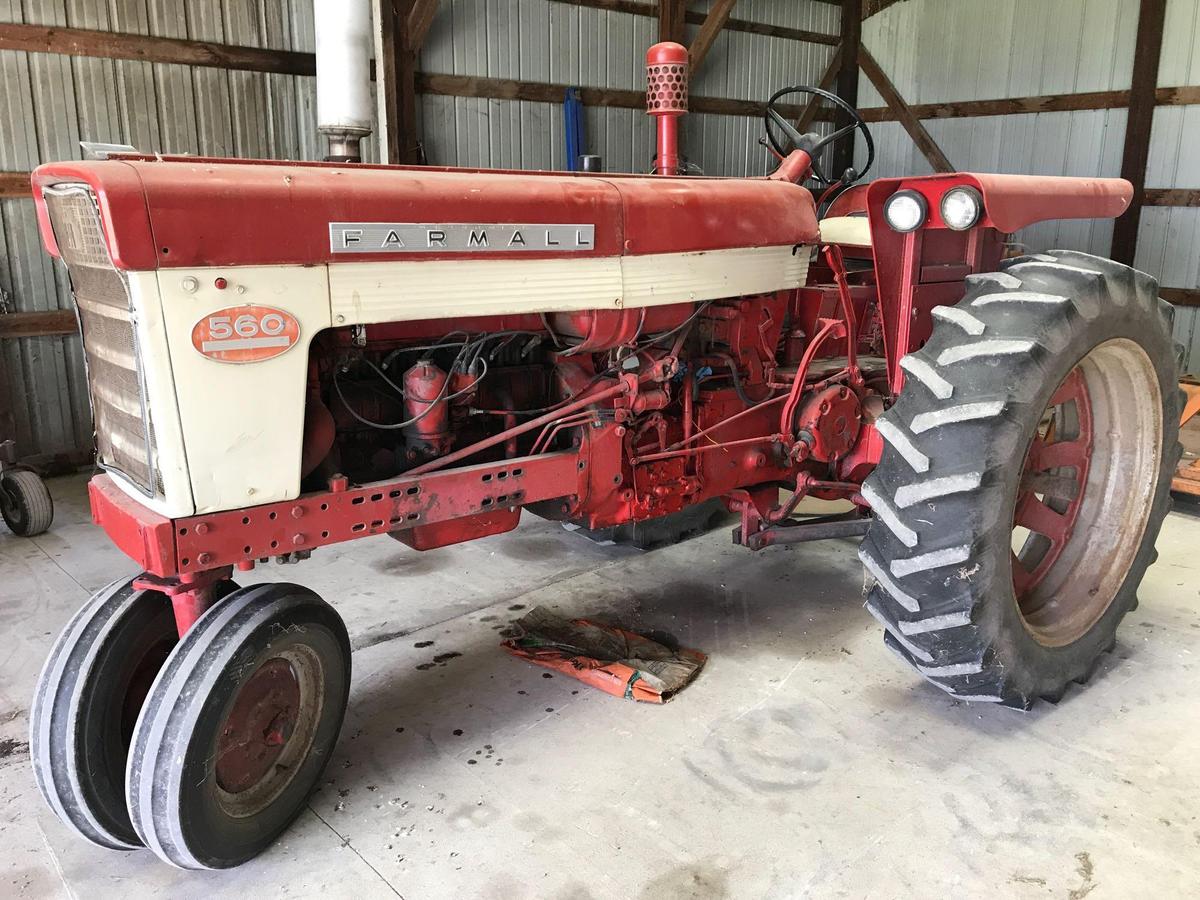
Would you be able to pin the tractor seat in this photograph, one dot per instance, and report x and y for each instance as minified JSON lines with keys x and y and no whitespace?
{"x":849,"y":231}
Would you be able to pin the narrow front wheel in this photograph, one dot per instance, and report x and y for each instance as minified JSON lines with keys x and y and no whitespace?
{"x":239,"y":726}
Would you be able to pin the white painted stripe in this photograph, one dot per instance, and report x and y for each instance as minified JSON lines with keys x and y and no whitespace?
{"x":936,"y":623}
{"x":246,"y":343}
{"x":928,"y":376}
{"x":983,"y":348}
{"x":407,"y":289}
{"x":885,"y":581}
{"x":888,"y":516}
{"x":1018,"y":297}
{"x":935,"y":559}
{"x":923,"y":655}
{"x":902,"y":445}
{"x":949,"y":671}
{"x":1001,"y":278}
{"x":965,"y":412}
{"x":959,"y":317}
{"x":910,"y":494}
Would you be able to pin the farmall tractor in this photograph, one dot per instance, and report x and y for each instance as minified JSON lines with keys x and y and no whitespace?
{"x":284,"y":356}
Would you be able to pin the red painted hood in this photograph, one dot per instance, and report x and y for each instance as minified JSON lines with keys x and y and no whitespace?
{"x":184,"y":211}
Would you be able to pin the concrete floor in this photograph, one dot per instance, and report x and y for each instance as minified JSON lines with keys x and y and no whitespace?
{"x":805,"y":761}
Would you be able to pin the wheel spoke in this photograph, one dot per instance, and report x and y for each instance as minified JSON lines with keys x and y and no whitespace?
{"x":1072,"y":388}
{"x":1035,"y":515}
{"x":1060,"y":454}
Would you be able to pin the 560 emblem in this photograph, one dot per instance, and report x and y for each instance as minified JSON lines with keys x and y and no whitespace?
{"x":243,"y":334}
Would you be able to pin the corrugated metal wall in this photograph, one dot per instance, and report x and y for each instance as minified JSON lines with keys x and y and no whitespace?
{"x":49,"y":103}
{"x":935,"y":51}
{"x":538,"y":40}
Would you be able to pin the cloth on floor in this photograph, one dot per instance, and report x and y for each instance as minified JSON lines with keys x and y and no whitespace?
{"x":616,"y":661}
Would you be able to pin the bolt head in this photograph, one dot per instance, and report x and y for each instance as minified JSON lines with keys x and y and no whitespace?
{"x":202,"y":528}
{"x":204,"y":559}
{"x":297,"y":512}
{"x":298,"y":540}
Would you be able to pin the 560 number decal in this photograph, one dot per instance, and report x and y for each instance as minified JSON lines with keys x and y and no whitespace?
{"x":243,"y":334}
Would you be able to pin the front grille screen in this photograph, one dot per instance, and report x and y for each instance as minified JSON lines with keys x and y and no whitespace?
{"x":121,"y":418}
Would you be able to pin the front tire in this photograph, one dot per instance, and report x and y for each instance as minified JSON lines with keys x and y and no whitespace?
{"x":25,"y":503}
{"x":1025,"y":477}
{"x":87,"y":700}
{"x":239,"y":726}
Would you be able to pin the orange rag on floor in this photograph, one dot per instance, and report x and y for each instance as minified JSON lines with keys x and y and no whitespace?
{"x":616,"y":661}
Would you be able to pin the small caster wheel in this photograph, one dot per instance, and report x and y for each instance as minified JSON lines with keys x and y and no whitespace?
{"x":239,"y":726}
{"x":87,"y":700}
{"x":25,"y":502}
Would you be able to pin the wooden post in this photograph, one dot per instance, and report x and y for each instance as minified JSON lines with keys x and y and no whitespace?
{"x":847,"y":82}
{"x":672,"y":21}
{"x":1147,"y":50}
{"x":403,"y":26}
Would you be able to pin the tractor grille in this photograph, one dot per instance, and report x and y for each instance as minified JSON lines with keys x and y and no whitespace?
{"x":116,"y":384}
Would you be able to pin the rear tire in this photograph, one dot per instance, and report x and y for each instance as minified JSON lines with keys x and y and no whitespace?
{"x":239,"y":727}
{"x":25,"y":502}
{"x":1066,"y":343}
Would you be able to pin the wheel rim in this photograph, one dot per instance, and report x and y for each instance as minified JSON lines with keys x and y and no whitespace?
{"x":268,"y":730}
{"x":1086,"y":491}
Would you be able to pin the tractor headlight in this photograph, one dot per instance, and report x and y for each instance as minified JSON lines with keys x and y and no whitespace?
{"x":961,"y":208}
{"x":906,"y":210}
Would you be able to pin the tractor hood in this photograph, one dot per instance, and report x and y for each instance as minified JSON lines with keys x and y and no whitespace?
{"x":177,"y":212}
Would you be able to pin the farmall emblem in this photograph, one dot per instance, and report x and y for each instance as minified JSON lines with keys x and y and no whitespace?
{"x":458,"y":237}
{"x":245,"y":334}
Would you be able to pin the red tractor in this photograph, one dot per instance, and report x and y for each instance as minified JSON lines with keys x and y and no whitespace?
{"x":283,"y":356}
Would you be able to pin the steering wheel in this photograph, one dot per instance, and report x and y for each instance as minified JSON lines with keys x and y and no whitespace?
{"x":812,"y":142}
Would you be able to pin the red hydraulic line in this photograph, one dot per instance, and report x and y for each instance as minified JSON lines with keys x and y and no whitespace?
{"x":692,"y":451}
{"x":723,"y":422}
{"x":471,"y":449}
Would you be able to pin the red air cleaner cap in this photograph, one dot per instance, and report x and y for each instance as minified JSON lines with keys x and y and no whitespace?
{"x":667,"y":67}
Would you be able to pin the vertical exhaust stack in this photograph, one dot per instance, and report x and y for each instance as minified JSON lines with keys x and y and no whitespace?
{"x":667,"y":67}
{"x":343,"y":75}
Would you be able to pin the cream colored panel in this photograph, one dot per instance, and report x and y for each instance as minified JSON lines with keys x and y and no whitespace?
{"x":677,"y":277}
{"x":400,"y":290}
{"x":160,"y":397}
{"x":242,"y":423}
{"x":852,"y":230}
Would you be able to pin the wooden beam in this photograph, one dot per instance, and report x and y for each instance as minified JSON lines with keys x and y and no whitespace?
{"x":671,"y":20}
{"x":904,"y":113}
{"x":1181,"y":296}
{"x":847,"y":83}
{"x":1171,"y":196}
{"x":1142,"y":98}
{"x":542,"y":92}
{"x":827,"y":79}
{"x":420,"y":18}
{"x":110,"y":45}
{"x":695,"y":17}
{"x":38,"y":324}
{"x":718,"y":15}
{"x":15,"y":184}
